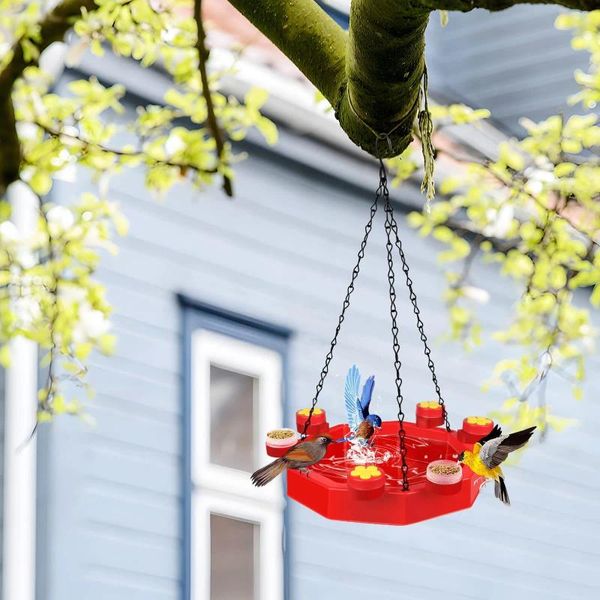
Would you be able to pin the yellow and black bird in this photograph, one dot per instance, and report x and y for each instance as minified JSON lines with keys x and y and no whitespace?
{"x":490,"y":452}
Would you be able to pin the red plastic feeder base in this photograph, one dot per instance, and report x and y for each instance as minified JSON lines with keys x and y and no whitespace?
{"x":318,"y":422}
{"x":327,"y":488}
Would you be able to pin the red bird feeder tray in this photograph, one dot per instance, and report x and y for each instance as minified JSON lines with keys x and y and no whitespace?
{"x":331,"y":489}
{"x":390,"y":480}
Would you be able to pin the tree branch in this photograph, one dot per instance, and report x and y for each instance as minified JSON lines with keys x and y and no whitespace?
{"x":52,"y":29}
{"x":212,"y":122}
{"x":385,"y":63}
{"x":152,"y":160}
{"x":307,"y":35}
{"x":372,"y":78}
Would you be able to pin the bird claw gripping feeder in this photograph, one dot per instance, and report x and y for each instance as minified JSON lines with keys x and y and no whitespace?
{"x":414,"y":474}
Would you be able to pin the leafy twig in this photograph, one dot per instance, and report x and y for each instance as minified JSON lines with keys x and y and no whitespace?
{"x":210,"y":109}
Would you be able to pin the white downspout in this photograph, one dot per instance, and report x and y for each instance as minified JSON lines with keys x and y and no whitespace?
{"x":20,"y":405}
{"x":20,"y":400}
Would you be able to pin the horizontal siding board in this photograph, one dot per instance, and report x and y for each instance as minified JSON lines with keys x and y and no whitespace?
{"x":122,"y":384}
{"x":145,"y":555}
{"x":135,"y":430}
{"x":133,"y":468}
{"x":514,"y":62}
{"x":102,"y":587}
{"x":126,"y":513}
{"x":367,"y":304}
{"x":455,"y":575}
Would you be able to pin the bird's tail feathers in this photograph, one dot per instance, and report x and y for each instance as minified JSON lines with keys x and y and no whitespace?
{"x":268,"y":473}
{"x":501,"y":491}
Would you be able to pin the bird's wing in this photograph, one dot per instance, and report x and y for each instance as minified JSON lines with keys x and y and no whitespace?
{"x":304,"y":454}
{"x":495,"y":451}
{"x":351,"y":397}
{"x":496,"y":432}
{"x":367,"y":395}
{"x":300,"y":453}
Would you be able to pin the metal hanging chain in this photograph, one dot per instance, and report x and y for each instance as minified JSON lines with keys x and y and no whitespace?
{"x":389,"y":216}
{"x":420,"y":326}
{"x":345,"y":305}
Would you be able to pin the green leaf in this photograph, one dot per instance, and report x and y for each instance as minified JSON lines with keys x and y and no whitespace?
{"x":255,"y":98}
{"x":40,"y":183}
{"x":268,"y":130}
{"x":5,"y":356}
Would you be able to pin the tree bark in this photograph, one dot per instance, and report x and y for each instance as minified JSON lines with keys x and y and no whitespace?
{"x":384,"y":67}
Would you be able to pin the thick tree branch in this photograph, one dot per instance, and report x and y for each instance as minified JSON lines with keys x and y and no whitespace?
{"x":52,"y":29}
{"x":384,"y":67}
{"x":307,"y":35}
{"x":372,"y":78}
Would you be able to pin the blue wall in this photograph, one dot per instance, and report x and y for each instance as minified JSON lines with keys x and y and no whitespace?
{"x":513,"y":62}
{"x":282,"y":252}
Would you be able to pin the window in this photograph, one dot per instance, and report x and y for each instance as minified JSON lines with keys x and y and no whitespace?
{"x":234,"y":396}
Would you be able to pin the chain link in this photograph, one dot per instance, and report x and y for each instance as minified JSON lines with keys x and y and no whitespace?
{"x":420,"y":326}
{"x":389,"y":215}
{"x":392,"y":239}
{"x":345,"y":305}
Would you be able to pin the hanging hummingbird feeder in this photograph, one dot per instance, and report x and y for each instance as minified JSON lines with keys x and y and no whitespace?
{"x":387,"y":472}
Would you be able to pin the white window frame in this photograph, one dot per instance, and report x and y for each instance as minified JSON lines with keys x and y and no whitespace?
{"x":229,"y":492}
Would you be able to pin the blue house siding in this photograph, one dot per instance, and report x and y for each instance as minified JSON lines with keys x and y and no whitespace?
{"x":281,"y":252}
{"x":513,"y":62}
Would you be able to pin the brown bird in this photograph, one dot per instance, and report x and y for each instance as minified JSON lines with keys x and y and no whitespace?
{"x":299,"y":457}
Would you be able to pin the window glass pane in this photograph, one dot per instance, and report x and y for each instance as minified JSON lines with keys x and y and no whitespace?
{"x":233,"y":556}
{"x":232,"y":418}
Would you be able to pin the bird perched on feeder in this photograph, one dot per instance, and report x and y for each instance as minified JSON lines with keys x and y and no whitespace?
{"x":301,"y":456}
{"x":362,"y":424}
{"x":490,"y":452}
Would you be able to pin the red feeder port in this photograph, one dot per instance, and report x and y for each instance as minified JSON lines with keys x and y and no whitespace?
{"x":279,"y":441}
{"x":474,"y":428}
{"x":429,"y":414}
{"x":328,"y":490}
{"x":444,"y":476}
{"x":318,"y":421}
{"x":366,"y":481}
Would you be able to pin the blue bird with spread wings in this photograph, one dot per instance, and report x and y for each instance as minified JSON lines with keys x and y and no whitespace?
{"x":362,"y":424}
